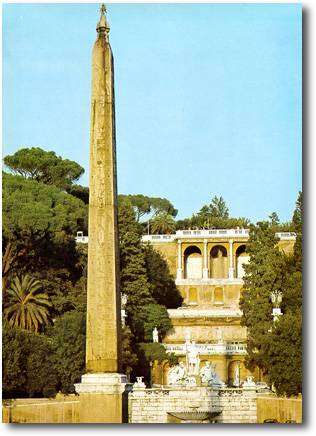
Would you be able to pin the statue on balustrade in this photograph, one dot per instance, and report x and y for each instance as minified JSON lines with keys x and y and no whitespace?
{"x":155,"y":335}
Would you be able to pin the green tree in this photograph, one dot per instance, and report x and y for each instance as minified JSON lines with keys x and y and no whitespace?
{"x":138,"y":283}
{"x":297,"y":221}
{"x":298,"y":213}
{"x":133,"y":276}
{"x":14,"y":373}
{"x":65,"y":279}
{"x":150,"y":353}
{"x":27,"y":306}
{"x":144,"y":205}
{"x":218,"y":208}
{"x":264,"y":274}
{"x":81,"y":192}
{"x":27,"y":364}
{"x":162,"y":205}
{"x":162,"y":223}
{"x":44,"y":166}
{"x":68,"y":337}
{"x":140,"y":203}
{"x":273,"y":346}
{"x":284,"y":354}
{"x":213,"y":216}
{"x":42,"y":379}
{"x":274,"y":219}
{"x":156,"y":351}
{"x":151,"y":316}
{"x":164,"y":289}
{"x":39,"y":224}
{"x":129,"y":357}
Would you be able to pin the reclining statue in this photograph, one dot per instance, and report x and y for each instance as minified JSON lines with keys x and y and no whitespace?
{"x":177,"y":374}
{"x":208,"y":375}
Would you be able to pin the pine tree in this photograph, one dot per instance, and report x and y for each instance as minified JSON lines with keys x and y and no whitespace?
{"x":218,"y":208}
{"x":164,"y":289}
{"x":133,"y":278}
{"x":273,"y":346}
{"x":264,"y":274}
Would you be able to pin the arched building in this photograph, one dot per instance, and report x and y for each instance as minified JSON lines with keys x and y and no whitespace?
{"x":208,"y":266}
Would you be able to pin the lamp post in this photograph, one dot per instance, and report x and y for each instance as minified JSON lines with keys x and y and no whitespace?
{"x":276,"y":299}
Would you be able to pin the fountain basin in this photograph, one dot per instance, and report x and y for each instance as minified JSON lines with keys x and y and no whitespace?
{"x":194,"y":415}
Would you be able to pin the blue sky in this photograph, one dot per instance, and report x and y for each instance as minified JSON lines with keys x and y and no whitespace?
{"x":208,"y":97}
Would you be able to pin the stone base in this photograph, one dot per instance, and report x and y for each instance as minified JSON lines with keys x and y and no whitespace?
{"x":103,"y":398}
{"x":101,"y":383}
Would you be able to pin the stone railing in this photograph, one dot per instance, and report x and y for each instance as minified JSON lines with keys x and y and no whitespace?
{"x":208,"y":349}
{"x":213,"y":232}
{"x":160,"y":238}
{"x":217,"y":233}
{"x":288,"y":236}
{"x":184,"y":312}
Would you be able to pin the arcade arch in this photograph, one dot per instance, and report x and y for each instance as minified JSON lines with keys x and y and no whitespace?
{"x":218,"y":262}
{"x":192,"y":263}
{"x":242,"y":258}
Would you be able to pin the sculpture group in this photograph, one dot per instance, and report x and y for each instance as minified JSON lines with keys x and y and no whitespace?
{"x":191,"y":373}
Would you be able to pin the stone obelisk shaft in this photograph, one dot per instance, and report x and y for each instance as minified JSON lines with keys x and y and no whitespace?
{"x":103,"y":340}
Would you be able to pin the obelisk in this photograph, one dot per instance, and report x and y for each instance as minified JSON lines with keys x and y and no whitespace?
{"x":102,"y":386}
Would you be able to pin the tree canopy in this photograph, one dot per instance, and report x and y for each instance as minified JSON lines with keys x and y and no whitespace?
{"x":162,"y":224}
{"x":218,"y":208}
{"x":144,"y":205}
{"x":37,"y":218}
{"x":28,"y":368}
{"x":164,"y":289}
{"x":148,"y":291}
{"x":68,"y":339}
{"x":274,"y":345}
{"x":213,"y":216}
{"x":44,"y":166}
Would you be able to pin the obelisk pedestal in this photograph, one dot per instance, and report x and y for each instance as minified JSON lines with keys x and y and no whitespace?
{"x":103,"y":398}
{"x":102,"y":388}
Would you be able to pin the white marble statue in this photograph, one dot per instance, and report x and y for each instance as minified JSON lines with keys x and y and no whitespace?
{"x":206,"y":373}
{"x":139,"y":384}
{"x":215,"y":379}
{"x":155,"y":335}
{"x":193,"y":360}
{"x":177,"y":374}
{"x":236,"y":381}
{"x":249,"y":382}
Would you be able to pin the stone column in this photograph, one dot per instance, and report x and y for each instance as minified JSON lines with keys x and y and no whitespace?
{"x":102,"y":386}
{"x":179,"y":269}
{"x":231,"y":261}
{"x":205,"y":257}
